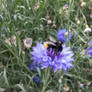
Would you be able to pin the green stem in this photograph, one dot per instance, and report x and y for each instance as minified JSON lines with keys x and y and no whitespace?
{"x":45,"y":83}
{"x":59,"y":88}
{"x":43,"y":90}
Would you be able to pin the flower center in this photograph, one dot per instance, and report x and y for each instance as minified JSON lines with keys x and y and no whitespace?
{"x":53,"y":53}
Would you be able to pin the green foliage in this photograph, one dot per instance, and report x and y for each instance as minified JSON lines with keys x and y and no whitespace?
{"x":22,"y":19}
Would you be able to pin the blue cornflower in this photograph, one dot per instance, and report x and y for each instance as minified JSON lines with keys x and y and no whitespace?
{"x":90,"y":48}
{"x":90,"y":42}
{"x":61,"y":35}
{"x":66,"y":5}
{"x":4,"y":28}
{"x":33,"y":67}
{"x":37,"y":79}
{"x":60,"y":60}
{"x":70,"y":36}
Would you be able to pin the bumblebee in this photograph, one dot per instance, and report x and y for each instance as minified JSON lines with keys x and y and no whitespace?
{"x":57,"y":46}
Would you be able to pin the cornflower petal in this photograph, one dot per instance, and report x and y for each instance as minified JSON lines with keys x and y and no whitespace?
{"x":50,"y":58}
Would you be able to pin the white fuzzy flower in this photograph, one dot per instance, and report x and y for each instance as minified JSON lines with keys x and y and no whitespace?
{"x":8,"y":41}
{"x":60,"y":80}
{"x":87,"y":29}
{"x":27,"y":42}
{"x":66,"y":88}
{"x":83,"y":4}
{"x":2,"y":89}
{"x":41,"y":27}
{"x":49,"y":21}
{"x":36,"y":7}
{"x":13,"y":40}
{"x":50,"y":90}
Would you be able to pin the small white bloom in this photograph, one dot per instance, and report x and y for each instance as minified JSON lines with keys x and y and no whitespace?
{"x":23,"y":52}
{"x":36,"y":7}
{"x":54,"y":25}
{"x":88,"y":83}
{"x":77,"y":20}
{"x":60,"y":80}
{"x":66,"y":34}
{"x":60,"y":11}
{"x":47,"y":17}
{"x":81,"y":85}
{"x":27,"y":42}
{"x":41,"y":27}
{"x":87,"y":29}
{"x":50,"y":90}
{"x":90,"y":15}
{"x":83,"y":4}
{"x":83,"y":52}
{"x":8,"y":41}
{"x":49,"y":21}
{"x":2,"y":89}
{"x":66,"y":88}
{"x":13,"y":40}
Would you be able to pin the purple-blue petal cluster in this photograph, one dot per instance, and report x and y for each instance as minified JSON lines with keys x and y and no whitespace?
{"x":61,"y":35}
{"x":33,"y":67}
{"x":66,"y":5}
{"x":37,"y":79}
{"x":70,"y":36}
{"x":90,"y":48}
{"x":61,"y":60}
{"x":4,"y":28}
{"x":90,"y":42}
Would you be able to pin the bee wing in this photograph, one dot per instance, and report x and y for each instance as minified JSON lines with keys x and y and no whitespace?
{"x":52,"y":39}
{"x":51,"y":43}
